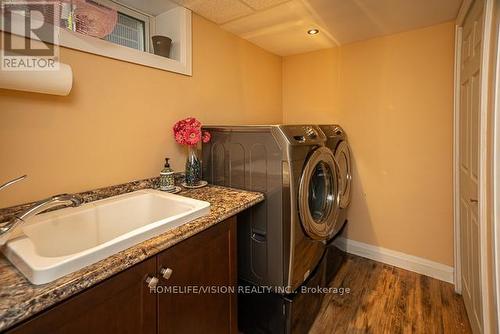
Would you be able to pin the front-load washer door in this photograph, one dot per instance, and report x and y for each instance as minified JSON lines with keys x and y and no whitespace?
{"x":343,"y":157}
{"x":319,"y":194}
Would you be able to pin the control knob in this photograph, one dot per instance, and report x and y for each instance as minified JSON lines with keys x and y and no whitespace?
{"x":310,"y":133}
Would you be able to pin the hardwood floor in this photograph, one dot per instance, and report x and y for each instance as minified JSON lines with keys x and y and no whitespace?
{"x":385,"y":299}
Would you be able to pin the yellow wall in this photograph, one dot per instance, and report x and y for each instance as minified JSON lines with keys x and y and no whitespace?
{"x":115,"y":126}
{"x":394,"y":97}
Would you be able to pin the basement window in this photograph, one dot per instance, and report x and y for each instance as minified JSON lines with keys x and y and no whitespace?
{"x":129,"y":31}
{"x":83,"y":26}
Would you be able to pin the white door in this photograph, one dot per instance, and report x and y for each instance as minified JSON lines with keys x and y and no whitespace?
{"x":470,"y":92}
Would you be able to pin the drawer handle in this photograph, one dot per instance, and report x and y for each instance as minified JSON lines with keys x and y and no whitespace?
{"x":259,"y":237}
{"x":152,"y":282}
{"x":166,"y":273}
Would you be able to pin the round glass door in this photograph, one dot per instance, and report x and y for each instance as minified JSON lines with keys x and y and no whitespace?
{"x":319,"y":196}
{"x":343,"y":157}
{"x":321,"y":191}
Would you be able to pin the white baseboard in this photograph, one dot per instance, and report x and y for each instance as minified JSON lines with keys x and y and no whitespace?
{"x":397,"y":259}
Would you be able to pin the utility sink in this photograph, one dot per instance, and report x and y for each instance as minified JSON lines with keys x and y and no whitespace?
{"x":60,"y":242}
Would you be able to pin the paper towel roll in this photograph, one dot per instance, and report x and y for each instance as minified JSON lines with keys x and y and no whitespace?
{"x":46,"y":82}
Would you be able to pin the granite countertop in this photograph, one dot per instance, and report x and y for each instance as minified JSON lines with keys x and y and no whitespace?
{"x":19,"y":299}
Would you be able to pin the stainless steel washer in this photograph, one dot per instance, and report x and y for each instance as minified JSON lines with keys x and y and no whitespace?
{"x":281,"y":241}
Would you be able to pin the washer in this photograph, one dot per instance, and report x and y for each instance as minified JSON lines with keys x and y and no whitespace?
{"x":337,"y":142}
{"x":281,"y":241}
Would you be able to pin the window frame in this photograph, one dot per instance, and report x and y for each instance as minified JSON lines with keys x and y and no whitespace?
{"x":76,"y":41}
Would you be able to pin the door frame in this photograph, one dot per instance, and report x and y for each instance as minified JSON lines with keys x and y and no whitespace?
{"x":496,"y":168}
{"x":482,"y":191}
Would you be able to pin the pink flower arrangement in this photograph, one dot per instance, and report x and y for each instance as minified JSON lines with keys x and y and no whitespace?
{"x":188,"y":132}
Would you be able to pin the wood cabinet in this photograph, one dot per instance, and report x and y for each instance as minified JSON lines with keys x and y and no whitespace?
{"x":120,"y":304}
{"x":200,"y":262}
{"x":181,"y":304}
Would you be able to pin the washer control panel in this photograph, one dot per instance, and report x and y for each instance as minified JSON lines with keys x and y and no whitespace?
{"x":303,"y":134}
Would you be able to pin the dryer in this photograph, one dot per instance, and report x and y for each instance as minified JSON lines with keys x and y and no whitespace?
{"x":336,"y":141}
{"x":280,"y":241}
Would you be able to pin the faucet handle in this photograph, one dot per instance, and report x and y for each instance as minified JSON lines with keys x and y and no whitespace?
{"x":11,"y":182}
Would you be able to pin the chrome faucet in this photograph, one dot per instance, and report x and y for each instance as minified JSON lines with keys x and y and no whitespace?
{"x":11,"y":182}
{"x":63,"y":200}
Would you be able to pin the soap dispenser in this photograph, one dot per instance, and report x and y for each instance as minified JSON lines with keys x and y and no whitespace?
{"x":167,"y":181}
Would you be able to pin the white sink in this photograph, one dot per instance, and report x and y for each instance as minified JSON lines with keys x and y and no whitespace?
{"x":57,"y":243}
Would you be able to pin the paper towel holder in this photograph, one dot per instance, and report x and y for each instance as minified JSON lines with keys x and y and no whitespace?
{"x":53,"y":82}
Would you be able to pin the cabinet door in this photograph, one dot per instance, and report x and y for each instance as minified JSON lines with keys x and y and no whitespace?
{"x":121,"y":304}
{"x":207,"y":259}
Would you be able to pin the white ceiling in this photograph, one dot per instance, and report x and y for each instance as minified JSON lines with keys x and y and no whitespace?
{"x":280,"y":26}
